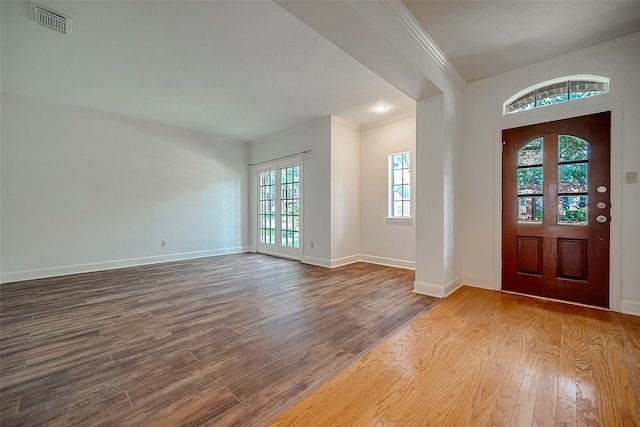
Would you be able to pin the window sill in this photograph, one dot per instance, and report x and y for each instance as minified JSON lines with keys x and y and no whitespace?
{"x":396,"y":220}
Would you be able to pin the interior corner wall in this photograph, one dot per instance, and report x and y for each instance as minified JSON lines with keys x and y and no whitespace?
{"x":382,"y":241}
{"x":316,"y":169}
{"x":345,"y":186}
{"x":84,"y":190}
{"x":483,"y":121}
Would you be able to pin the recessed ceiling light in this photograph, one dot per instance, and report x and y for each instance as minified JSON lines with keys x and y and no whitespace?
{"x":381,"y":108}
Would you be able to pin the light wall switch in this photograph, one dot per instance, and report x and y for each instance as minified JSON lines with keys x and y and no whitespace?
{"x":163,"y":243}
{"x":631,"y":177}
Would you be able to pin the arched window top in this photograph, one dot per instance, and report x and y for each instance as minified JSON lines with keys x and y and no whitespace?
{"x":555,"y":91}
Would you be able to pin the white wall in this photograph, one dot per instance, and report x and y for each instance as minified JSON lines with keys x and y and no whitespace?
{"x":84,"y":190}
{"x":0,"y":166}
{"x":384,"y":241}
{"x":316,"y":171}
{"x":439,"y":199}
{"x":483,"y":122}
{"x":454,"y":197}
{"x":345,"y":188}
{"x":430,"y":152}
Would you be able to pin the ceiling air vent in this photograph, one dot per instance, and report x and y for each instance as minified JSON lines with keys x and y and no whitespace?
{"x":51,"y":19}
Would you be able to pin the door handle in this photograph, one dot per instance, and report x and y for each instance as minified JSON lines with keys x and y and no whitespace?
{"x":601,"y":219}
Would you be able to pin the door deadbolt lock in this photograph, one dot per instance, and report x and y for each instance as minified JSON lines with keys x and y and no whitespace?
{"x":601,"y":219}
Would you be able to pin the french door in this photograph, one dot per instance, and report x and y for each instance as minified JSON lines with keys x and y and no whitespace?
{"x":280,"y":210}
{"x":556,"y":209}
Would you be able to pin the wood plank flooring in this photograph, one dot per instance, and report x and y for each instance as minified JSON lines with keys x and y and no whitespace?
{"x":487,"y":358}
{"x":223,"y":341}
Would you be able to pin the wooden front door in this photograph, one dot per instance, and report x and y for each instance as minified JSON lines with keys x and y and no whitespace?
{"x":555,"y":209}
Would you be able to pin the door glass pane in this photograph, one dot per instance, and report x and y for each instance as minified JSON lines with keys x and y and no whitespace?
{"x":530,"y":209}
{"x":290,"y":207}
{"x":572,"y":148}
{"x":572,"y":178}
{"x":531,"y":154}
{"x":572,"y":209}
{"x":530,"y":180}
{"x":267,"y":206}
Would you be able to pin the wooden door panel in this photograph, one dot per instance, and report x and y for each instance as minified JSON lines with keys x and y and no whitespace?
{"x":557,"y":250}
{"x":572,"y":259}
{"x":529,"y":255}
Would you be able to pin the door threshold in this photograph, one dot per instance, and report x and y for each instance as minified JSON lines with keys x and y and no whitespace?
{"x":556,"y":300}
{"x":276,"y":255}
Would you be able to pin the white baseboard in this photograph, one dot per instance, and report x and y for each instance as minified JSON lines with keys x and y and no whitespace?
{"x":320,"y":262}
{"x":438,"y":291}
{"x":15,"y":276}
{"x":630,"y":307}
{"x":389,"y":262}
{"x":339,"y":262}
{"x":371,"y":259}
{"x":479,"y":283}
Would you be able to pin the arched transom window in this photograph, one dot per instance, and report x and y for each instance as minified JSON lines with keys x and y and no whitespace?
{"x":555,"y":91}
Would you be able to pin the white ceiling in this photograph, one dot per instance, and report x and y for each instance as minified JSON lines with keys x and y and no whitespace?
{"x":485,"y":38}
{"x":241,"y":70}
{"x":248,"y":69}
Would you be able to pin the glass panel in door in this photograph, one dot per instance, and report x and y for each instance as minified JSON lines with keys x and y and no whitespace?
{"x":279,"y":211}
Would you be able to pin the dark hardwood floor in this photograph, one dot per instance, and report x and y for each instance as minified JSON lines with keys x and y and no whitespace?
{"x":222,"y":341}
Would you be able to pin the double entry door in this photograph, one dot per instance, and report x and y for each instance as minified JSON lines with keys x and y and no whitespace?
{"x":556,"y":209}
{"x":280,"y":210}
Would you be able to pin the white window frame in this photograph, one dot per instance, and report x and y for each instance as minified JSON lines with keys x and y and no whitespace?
{"x":390,"y":216}
{"x":567,"y":79}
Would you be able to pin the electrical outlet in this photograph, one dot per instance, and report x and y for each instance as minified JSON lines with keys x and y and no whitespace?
{"x":631,"y":178}
{"x":163,"y":243}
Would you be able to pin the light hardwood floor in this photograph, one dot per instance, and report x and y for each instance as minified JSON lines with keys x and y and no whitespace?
{"x":222,"y":341}
{"x":487,"y":358}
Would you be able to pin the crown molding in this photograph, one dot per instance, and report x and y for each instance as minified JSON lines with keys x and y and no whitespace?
{"x":550,"y":63}
{"x":345,"y":122}
{"x":316,"y":122}
{"x":409,"y":115}
{"x":413,"y":27}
